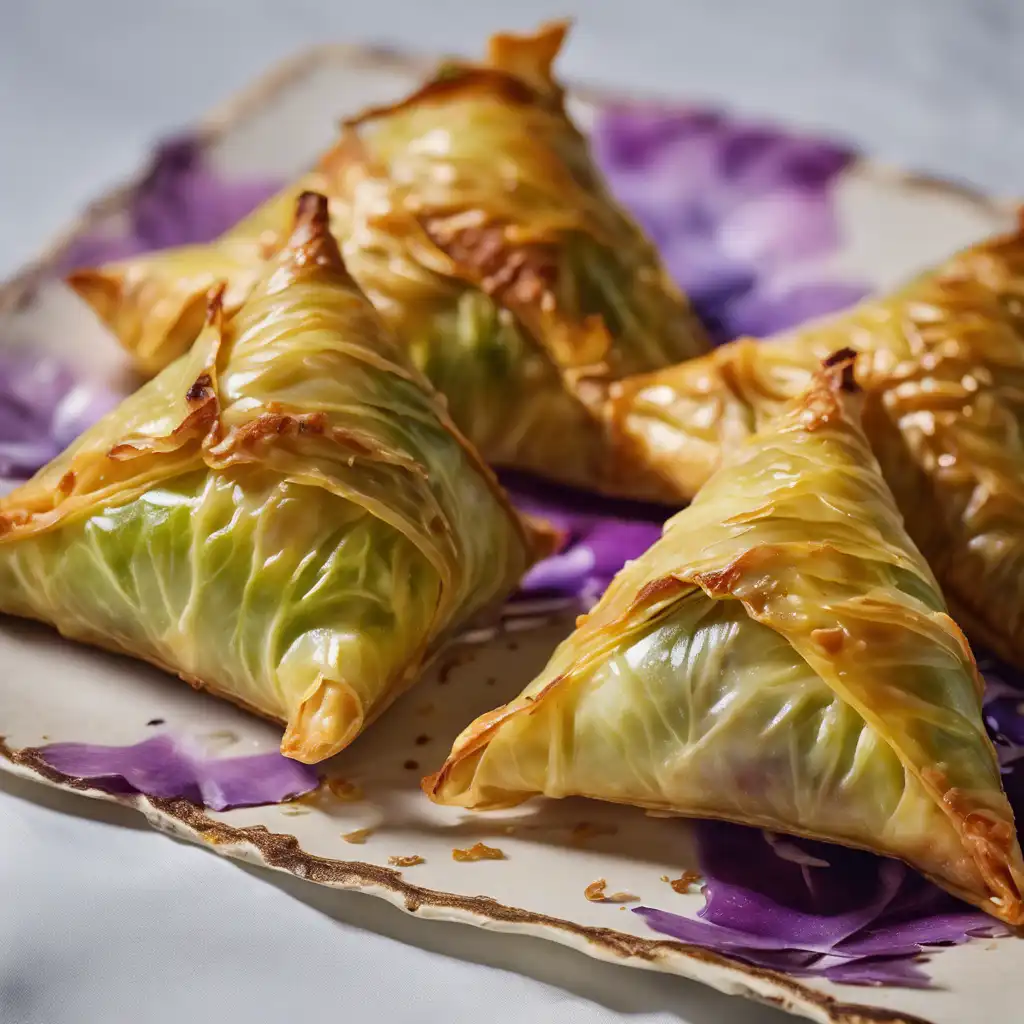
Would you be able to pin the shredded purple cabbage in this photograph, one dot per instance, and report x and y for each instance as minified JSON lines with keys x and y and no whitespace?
{"x":845,"y":914}
{"x":600,"y":536}
{"x":180,"y":201}
{"x":165,"y":766}
{"x":743,"y":214}
{"x":43,"y":408}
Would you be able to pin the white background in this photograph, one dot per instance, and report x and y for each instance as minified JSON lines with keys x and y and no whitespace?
{"x":102,"y":920}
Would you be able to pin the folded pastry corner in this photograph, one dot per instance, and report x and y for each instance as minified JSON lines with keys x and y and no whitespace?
{"x":473,"y":216}
{"x":284,"y":516}
{"x":781,"y":657}
{"x":155,"y":303}
{"x":942,"y":363}
{"x":480,"y":226}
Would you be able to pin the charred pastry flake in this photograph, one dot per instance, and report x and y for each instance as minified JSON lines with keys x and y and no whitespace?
{"x":215,"y":302}
{"x":844,"y":359}
{"x":199,"y":389}
{"x":270,"y":425}
{"x":830,"y":640}
{"x":312,"y":208}
{"x":479,"y":851}
{"x":595,"y":892}
{"x":516,"y":276}
{"x":685,"y":882}
{"x":358,"y":836}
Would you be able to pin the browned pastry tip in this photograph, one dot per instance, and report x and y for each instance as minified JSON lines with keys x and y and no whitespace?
{"x":215,"y":302}
{"x":311,"y":242}
{"x":841,"y":364}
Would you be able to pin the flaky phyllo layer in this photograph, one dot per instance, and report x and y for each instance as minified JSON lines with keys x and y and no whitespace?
{"x":284,"y":515}
{"x":472,"y":215}
{"x":782,"y":657}
{"x":942,"y":362}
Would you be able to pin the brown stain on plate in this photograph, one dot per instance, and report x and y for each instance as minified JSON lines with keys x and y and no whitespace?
{"x":283,"y":853}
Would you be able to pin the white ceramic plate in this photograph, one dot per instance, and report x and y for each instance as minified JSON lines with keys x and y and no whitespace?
{"x":890,"y":225}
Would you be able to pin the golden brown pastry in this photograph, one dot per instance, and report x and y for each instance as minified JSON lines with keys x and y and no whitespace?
{"x":473,"y":216}
{"x":284,"y":515}
{"x":942,"y":361}
{"x":781,"y":657}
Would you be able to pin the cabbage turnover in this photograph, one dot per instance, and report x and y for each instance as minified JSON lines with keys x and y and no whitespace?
{"x":781,"y":657}
{"x":942,"y":362}
{"x":473,"y":216}
{"x":284,"y":516}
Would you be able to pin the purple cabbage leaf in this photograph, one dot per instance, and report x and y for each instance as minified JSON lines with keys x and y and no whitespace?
{"x":165,"y":766}
{"x":847,"y":915}
{"x":181,"y":200}
{"x":743,"y":214}
{"x":43,"y":408}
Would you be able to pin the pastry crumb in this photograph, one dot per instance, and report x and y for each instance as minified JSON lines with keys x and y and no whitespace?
{"x":293,"y":810}
{"x":410,"y":765}
{"x":406,"y":862}
{"x":479,"y":851}
{"x":596,"y":893}
{"x":349,"y":792}
{"x":360,"y":835}
{"x":665,"y":878}
{"x":422,"y":740}
{"x":685,"y":882}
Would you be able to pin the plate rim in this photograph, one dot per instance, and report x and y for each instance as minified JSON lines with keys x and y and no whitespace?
{"x":279,"y":851}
